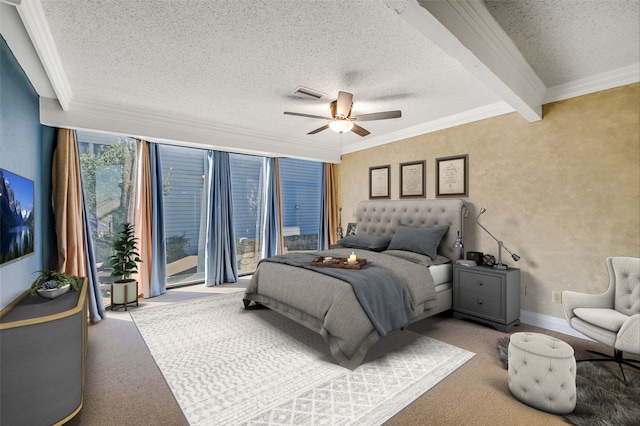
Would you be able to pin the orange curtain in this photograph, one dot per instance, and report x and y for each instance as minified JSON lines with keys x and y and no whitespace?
{"x":67,"y":204}
{"x":142,"y":217}
{"x":331,"y":203}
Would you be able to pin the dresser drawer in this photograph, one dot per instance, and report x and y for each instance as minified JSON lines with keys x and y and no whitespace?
{"x":480,"y":304}
{"x":480,"y":283}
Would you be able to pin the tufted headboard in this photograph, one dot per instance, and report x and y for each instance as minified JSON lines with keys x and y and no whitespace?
{"x":382,"y":217}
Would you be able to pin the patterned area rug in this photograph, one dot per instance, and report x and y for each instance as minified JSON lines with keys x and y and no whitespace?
{"x":228,"y":366}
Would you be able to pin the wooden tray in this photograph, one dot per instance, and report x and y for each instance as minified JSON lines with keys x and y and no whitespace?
{"x":338,"y":262}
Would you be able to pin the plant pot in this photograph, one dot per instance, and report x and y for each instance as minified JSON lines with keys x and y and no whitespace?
{"x":54,"y":292}
{"x":124,"y":292}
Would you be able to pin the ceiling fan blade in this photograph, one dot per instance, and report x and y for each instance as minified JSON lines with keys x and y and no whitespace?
{"x":359,"y":130}
{"x":307,"y":115}
{"x":343,"y":104}
{"x":378,"y":116}
{"x":318,"y":130}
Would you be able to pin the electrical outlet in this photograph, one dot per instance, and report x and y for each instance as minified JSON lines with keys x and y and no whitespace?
{"x":556,"y":297}
{"x":523,"y":290}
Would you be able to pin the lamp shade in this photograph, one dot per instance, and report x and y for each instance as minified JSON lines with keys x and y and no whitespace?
{"x":341,"y":125}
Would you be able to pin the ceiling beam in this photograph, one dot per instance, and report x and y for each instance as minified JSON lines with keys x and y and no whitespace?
{"x":37,"y":26}
{"x":16,"y":36}
{"x":466,"y":31}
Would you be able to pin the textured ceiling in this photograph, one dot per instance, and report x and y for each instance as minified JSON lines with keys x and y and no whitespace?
{"x":568,"y":40}
{"x":234,"y":64}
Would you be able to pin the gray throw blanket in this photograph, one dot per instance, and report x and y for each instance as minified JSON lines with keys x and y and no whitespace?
{"x":379,"y":291}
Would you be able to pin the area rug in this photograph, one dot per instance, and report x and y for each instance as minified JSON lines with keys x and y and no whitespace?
{"x":228,"y":366}
{"x":602,"y":398}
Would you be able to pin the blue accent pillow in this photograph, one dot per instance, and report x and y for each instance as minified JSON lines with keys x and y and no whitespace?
{"x":366,"y":242}
{"x":418,"y":240}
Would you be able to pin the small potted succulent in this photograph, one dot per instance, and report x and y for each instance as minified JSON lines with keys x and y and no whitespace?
{"x":51,"y":284}
{"x":124,"y":263}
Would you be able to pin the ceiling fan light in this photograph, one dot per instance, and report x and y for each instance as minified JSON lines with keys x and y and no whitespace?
{"x":341,"y":126}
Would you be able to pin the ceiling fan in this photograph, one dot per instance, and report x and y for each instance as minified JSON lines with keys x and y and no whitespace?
{"x":341,"y":120}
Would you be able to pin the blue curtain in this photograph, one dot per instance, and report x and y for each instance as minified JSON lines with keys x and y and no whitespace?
{"x":158,"y":279}
{"x":323,"y":226}
{"x":97,"y":312}
{"x":220,"y":243}
{"x":271,"y":226}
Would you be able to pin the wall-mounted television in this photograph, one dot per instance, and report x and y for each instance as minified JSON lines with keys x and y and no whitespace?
{"x":16,"y":216}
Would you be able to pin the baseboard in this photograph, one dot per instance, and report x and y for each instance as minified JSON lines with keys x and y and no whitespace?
{"x":550,"y":323}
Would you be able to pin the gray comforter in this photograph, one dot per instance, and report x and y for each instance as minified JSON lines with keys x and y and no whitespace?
{"x":380,"y":292}
{"x":329,"y":306}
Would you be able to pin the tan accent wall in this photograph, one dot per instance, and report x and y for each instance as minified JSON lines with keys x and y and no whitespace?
{"x":563,"y":192}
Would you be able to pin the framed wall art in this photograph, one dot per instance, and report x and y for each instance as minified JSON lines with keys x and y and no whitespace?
{"x":17,"y":234}
{"x":379,"y":182}
{"x":412,"y":179}
{"x":452,"y":176}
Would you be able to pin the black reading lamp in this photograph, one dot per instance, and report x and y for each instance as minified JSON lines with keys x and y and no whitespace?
{"x":339,"y":231}
{"x":499,"y":265}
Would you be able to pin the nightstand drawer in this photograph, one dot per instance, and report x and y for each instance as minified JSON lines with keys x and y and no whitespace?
{"x":480,"y":304}
{"x":480,"y":283}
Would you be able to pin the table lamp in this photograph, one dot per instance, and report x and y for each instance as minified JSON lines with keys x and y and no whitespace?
{"x":498,"y":265}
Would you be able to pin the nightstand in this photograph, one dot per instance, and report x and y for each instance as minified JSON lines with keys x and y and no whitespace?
{"x":488,"y":295}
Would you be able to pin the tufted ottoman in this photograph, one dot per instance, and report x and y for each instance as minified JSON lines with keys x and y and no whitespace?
{"x":542,"y":372}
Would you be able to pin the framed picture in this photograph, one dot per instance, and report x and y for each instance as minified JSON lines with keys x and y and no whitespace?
{"x":412,"y":179}
{"x":452,"y":176}
{"x":17,"y":234}
{"x":379,"y":182}
{"x":351,"y":229}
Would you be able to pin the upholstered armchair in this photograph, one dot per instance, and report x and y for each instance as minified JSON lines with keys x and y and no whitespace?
{"x":613,"y":317}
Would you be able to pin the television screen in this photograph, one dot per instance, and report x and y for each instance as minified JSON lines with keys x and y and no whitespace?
{"x":16,"y":216}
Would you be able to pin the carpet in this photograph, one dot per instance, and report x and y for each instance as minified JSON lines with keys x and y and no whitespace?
{"x":602,"y":398}
{"x":228,"y":366}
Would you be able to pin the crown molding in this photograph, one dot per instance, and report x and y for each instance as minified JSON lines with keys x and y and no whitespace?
{"x":37,"y":26}
{"x":585,"y":86}
{"x":476,"y":114}
{"x":101,"y":117}
{"x":603,"y":81}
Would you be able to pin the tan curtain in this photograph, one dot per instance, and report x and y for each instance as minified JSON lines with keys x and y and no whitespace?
{"x":278,"y":191}
{"x":142,"y":216}
{"x":331,"y":203}
{"x":67,"y":204}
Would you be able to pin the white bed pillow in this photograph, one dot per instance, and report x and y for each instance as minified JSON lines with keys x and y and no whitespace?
{"x":420,"y":259}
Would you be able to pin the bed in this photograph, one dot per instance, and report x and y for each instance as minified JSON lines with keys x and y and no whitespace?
{"x":419,"y":250}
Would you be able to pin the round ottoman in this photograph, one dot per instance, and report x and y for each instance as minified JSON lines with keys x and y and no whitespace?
{"x":542,"y":372}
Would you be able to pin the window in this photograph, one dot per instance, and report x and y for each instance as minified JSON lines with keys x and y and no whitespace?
{"x":183,"y":175}
{"x":300,"y":185}
{"x":247,"y":187}
{"x":107,"y":165}
{"x":107,"y":168}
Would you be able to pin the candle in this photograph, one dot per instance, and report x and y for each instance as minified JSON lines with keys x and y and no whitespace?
{"x":352,"y":259}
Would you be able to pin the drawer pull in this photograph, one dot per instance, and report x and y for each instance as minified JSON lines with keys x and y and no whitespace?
{"x":479,"y":301}
{"x":480,"y":283}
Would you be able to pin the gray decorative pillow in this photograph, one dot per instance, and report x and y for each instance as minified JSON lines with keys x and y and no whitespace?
{"x":418,"y":258}
{"x":366,"y":242}
{"x":418,"y":240}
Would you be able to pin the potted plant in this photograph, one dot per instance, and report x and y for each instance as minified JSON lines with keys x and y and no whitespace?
{"x":51,"y":284}
{"x":124,"y":264}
